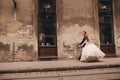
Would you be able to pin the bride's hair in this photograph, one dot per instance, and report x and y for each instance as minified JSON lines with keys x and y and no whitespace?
{"x":86,"y":36}
{"x":85,"y":32}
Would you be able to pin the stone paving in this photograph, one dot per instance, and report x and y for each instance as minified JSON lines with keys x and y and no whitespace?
{"x":95,"y":74}
{"x":55,"y":65}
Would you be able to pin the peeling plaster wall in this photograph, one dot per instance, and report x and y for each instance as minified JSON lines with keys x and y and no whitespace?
{"x":18,"y":28}
{"x":75,"y":16}
{"x":116,"y":20}
{"x":18,"y":41}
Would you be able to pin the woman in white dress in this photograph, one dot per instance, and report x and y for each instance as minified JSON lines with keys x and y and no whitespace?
{"x":90,"y":52}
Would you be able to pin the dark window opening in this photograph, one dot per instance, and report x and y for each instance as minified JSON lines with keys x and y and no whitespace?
{"x":106,"y":21}
{"x":47,"y":22}
{"x":15,"y":6}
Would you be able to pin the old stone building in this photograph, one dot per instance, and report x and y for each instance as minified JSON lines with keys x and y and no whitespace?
{"x":32,"y":30}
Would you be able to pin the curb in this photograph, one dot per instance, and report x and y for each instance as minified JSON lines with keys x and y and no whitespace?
{"x":61,"y":68}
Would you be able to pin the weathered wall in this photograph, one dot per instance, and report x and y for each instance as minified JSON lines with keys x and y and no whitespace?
{"x":17,"y":31}
{"x":75,"y":16}
{"x":116,"y":14}
{"x":18,"y":27}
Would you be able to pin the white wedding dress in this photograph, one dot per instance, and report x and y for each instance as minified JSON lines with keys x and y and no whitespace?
{"x":90,"y":52}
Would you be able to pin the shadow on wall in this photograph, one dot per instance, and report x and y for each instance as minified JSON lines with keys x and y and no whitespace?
{"x":4,"y":47}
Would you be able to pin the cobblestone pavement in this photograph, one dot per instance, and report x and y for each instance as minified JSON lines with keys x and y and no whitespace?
{"x":91,"y":74}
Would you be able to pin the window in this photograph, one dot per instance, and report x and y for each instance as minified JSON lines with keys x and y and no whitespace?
{"x":106,"y":21}
{"x":47,"y":22}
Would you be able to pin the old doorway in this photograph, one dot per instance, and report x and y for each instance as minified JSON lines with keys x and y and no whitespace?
{"x":47,"y":43}
{"x":106,"y":27}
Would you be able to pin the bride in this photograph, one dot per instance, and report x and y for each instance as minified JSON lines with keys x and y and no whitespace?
{"x":90,"y":52}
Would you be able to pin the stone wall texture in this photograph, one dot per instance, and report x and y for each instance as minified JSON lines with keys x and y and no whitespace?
{"x":18,"y":41}
{"x":18,"y":28}
{"x":116,"y":22}
{"x":76,"y":16}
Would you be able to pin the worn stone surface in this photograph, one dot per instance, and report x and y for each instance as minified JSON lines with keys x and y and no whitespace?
{"x":18,"y":49}
{"x":117,"y":25}
{"x":76,"y":16}
{"x":6,"y":11}
{"x":24,"y":11}
{"x":18,"y":27}
{"x":18,"y":41}
{"x":82,"y":15}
